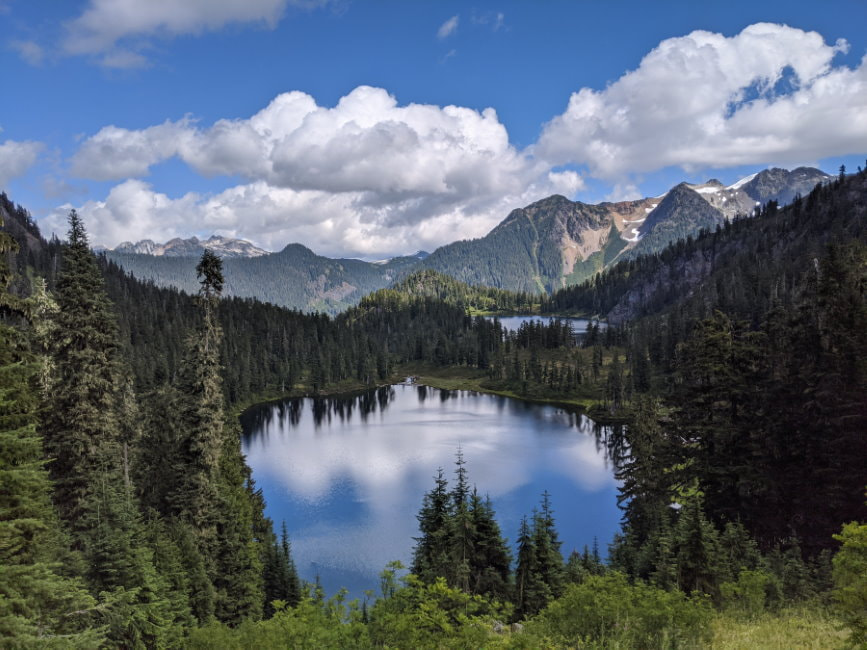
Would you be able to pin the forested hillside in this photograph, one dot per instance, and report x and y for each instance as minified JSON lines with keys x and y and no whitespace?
{"x":740,"y":385}
{"x":555,"y":243}
{"x":546,"y":246}
{"x":295,"y":277}
{"x":743,"y":265}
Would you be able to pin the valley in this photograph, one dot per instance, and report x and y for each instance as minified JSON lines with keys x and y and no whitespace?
{"x":541,"y":248}
{"x":433,"y":325}
{"x":669,"y":365}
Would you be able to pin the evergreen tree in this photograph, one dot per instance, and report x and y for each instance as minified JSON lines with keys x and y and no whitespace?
{"x":40,"y":604}
{"x":531,"y":594}
{"x":200,"y":424}
{"x":83,"y":438}
{"x":490,"y":561}
{"x":546,"y":541}
{"x":463,"y":529}
{"x":698,"y":551}
{"x":431,"y":558}
{"x":80,"y":422}
{"x":281,"y":577}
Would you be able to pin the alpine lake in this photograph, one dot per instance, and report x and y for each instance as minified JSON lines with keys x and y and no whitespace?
{"x":348,"y":473}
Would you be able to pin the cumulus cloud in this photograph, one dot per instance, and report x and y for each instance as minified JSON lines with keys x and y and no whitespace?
{"x":448,"y":28}
{"x":116,"y":153}
{"x":366,"y":176}
{"x":705,"y":100}
{"x":16,"y":158}
{"x":337,"y":224}
{"x":106,"y":25}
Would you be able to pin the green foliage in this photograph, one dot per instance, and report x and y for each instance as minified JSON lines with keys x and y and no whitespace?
{"x":295,"y":278}
{"x":850,"y":580}
{"x":460,"y":539}
{"x":80,"y":422}
{"x":42,"y":603}
{"x":608,"y":611}
{"x":310,"y":624}
{"x":433,"y":284}
{"x":749,"y":594}
{"x":432,"y":615}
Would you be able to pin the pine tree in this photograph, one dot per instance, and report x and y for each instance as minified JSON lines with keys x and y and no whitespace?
{"x":199,"y":407}
{"x":463,"y":529}
{"x":531,"y":594}
{"x":547,"y":544}
{"x":490,"y":561}
{"x":431,"y":557}
{"x":281,"y":577}
{"x":83,"y":438}
{"x":698,"y":552}
{"x":80,"y":423}
{"x":39,"y":602}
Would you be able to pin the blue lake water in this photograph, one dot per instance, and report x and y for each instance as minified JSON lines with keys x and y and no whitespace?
{"x":348,"y":474}
{"x":579,"y":325}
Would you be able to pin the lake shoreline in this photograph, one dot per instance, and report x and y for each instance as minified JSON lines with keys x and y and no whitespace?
{"x":341,"y":468}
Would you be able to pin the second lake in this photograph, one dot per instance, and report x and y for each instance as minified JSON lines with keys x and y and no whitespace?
{"x":348,"y":474}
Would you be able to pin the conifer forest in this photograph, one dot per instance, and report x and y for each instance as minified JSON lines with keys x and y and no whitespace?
{"x":735,"y":384}
{"x":433,"y":325}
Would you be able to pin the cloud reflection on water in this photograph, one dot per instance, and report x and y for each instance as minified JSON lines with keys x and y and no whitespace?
{"x":350,"y":474}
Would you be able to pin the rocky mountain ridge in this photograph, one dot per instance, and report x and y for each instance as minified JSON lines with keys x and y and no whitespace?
{"x":193,"y":247}
{"x":540,"y":248}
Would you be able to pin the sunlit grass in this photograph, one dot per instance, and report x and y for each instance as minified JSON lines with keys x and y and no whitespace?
{"x":808,"y":629}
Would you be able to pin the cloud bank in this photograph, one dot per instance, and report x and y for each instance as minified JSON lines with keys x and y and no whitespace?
{"x":365,"y":177}
{"x":370,"y":177}
{"x":769,"y":93}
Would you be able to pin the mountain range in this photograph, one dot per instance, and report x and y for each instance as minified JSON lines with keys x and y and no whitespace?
{"x":545,"y":246}
{"x":225,"y":247}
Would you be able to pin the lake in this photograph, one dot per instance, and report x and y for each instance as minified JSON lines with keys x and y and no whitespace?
{"x":348,"y":474}
{"x":579,"y":325}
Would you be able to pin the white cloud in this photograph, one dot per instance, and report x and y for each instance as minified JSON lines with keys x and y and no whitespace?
{"x":106,"y":25}
{"x":449,"y":27}
{"x":16,"y":158}
{"x":337,"y":224}
{"x":704,"y":100}
{"x":116,"y":153}
{"x":30,"y":51}
{"x":366,"y":176}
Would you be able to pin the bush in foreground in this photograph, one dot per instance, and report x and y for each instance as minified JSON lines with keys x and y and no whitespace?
{"x":607,"y":611}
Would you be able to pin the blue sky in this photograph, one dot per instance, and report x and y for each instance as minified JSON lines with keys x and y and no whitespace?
{"x":358,"y":153}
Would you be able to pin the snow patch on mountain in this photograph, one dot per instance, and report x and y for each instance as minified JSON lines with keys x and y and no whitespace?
{"x":192,"y":247}
{"x":739,"y":184}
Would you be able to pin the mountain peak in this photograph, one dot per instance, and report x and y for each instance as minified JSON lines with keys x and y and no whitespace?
{"x":782,"y":185}
{"x":192,"y":247}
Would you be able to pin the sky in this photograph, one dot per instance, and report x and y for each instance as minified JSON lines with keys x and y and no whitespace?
{"x":375,"y":128}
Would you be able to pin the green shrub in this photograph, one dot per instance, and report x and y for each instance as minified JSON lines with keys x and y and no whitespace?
{"x":608,"y":611}
{"x":311,"y":624}
{"x":750,"y":593}
{"x":434,"y":616}
{"x":850,"y":580}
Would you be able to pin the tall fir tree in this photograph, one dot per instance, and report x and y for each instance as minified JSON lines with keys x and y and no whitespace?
{"x":531,"y":594}
{"x":209,"y":492}
{"x":80,"y":423}
{"x":84,"y":443}
{"x":431,"y":558}
{"x":41,"y":603}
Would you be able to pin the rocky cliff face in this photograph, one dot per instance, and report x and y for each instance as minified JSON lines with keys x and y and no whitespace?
{"x":782,"y":186}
